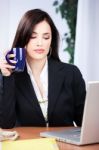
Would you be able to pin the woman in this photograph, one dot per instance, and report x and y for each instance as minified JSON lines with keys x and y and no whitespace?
{"x":48,"y":92}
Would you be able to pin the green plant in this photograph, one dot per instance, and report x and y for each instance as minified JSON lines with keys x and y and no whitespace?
{"x":68,"y":10}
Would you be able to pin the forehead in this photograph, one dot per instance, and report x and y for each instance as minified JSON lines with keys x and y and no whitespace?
{"x":42,"y":27}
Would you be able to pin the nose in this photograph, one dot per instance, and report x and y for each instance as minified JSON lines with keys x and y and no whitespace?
{"x":39,"y":42}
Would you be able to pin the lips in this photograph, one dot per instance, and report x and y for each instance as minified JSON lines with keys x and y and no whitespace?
{"x":39,"y":51}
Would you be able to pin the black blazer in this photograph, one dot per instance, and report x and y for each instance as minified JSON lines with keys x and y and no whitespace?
{"x":66,"y":95}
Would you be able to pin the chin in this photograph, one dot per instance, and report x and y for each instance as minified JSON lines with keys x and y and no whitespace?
{"x":40,"y":57}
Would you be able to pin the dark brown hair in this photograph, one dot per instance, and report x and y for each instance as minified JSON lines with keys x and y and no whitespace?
{"x":26,"y":26}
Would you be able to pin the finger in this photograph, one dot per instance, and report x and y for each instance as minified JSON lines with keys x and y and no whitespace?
{"x":5,"y":61}
{"x":8,"y":66}
{"x":13,"y":61}
{"x":10,"y":70}
{"x":4,"y":64}
{"x":6,"y":72}
{"x":11,"y":55}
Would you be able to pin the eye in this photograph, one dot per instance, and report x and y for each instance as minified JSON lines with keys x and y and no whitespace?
{"x":33,"y":37}
{"x":46,"y":37}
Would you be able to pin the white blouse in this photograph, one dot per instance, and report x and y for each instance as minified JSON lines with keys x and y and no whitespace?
{"x":43,"y":100}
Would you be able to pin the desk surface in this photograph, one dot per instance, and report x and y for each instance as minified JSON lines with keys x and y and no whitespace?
{"x":34,"y":132}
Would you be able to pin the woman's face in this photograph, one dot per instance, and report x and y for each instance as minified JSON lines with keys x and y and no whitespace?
{"x":40,"y":41}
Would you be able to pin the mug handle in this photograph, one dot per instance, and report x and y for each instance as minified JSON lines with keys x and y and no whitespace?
{"x":7,"y":58}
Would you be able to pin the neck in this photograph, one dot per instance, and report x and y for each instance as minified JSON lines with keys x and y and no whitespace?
{"x":36,"y":65}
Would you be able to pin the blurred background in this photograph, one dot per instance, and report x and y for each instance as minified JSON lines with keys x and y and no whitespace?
{"x":78,"y":25}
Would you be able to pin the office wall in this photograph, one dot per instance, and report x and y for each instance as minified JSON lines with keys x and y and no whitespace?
{"x":4,"y":24}
{"x":87,"y":39}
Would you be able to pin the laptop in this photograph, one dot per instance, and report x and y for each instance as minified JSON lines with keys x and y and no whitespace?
{"x":89,"y":132}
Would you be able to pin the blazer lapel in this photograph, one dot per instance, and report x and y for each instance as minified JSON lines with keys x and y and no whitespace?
{"x":31,"y":96}
{"x":54,"y":84}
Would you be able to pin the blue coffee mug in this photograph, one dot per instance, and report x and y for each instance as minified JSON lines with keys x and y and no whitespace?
{"x":20,"y":54}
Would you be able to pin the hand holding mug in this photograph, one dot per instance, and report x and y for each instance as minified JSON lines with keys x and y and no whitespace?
{"x":5,"y":68}
{"x":16,"y":57}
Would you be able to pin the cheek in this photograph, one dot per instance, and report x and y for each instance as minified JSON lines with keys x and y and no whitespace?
{"x":29,"y":47}
{"x":47,"y":48}
{"x":28,"y":50}
{"x":48,"y":44}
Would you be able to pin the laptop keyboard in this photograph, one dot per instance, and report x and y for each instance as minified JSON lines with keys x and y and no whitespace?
{"x":67,"y":135}
{"x":64,"y":135}
{"x":70,"y":135}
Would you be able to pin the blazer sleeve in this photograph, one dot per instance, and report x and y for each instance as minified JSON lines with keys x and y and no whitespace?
{"x":7,"y":102}
{"x":79,"y":96}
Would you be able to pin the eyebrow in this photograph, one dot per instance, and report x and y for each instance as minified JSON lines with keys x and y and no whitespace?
{"x":47,"y":33}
